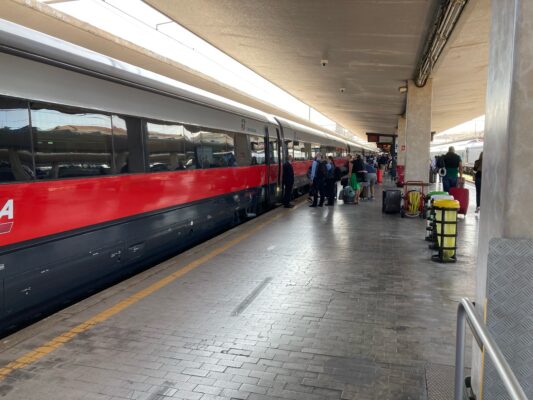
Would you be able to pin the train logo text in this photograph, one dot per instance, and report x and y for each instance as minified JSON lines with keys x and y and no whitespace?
{"x":6,"y":217}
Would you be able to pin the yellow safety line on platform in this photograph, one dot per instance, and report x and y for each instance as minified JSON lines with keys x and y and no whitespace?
{"x":38,"y":353}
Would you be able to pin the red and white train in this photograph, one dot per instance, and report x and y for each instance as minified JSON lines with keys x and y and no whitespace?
{"x":106,"y":168}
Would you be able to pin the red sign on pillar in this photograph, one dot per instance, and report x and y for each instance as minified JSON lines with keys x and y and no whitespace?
{"x":403,"y":147}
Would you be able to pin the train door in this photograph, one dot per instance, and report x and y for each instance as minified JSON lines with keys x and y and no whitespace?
{"x":274,"y":167}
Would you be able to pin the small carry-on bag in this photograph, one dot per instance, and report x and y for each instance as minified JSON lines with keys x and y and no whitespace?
{"x":348,"y":195}
{"x":392,"y":201}
{"x":462,"y":195}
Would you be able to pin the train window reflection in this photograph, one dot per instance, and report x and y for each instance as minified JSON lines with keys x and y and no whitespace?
{"x":300,"y":154}
{"x":257,"y":147}
{"x":289,"y":145}
{"x":70,"y":143}
{"x":216,"y":150}
{"x":166,"y":147}
{"x":16,"y":160}
{"x":273,"y":150}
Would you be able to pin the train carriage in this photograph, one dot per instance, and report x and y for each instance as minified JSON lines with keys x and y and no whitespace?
{"x":106,"y":168}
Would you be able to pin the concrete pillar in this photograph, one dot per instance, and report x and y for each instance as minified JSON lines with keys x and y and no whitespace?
{"x":401,"y":140}
{"x":507,"y":192}
{"x":418,"y":131}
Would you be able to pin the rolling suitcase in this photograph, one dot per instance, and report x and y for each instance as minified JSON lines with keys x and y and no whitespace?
{"x":462,"y":195}
{"x":392,"y":201}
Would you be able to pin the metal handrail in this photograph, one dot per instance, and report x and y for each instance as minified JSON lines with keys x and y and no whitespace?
{"x":466,"y":312}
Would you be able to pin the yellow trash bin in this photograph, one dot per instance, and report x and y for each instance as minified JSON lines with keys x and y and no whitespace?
{"x":446,"y":229}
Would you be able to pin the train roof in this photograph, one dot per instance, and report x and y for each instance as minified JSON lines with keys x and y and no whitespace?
{"x":15,"y":37}
{"x":295,"y":131}
{"x":27,"y":42}
{"x":477,"y":143}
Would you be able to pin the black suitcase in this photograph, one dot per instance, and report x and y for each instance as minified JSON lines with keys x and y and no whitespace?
{"x":392,"y":201}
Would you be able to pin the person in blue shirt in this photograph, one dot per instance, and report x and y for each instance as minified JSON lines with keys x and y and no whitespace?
{"x":318,"y":179}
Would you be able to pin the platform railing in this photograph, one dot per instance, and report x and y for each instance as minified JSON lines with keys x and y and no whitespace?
{"x":466,"y":312}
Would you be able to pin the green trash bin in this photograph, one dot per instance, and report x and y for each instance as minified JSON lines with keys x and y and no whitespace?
{"x":427,"y":205}
{"x":446,"y":230}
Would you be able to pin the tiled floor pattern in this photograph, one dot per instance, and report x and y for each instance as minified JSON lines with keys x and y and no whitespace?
{"x":347,"y":305}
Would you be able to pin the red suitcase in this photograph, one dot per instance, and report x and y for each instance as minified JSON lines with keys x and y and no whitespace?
{"x":462,"y":196}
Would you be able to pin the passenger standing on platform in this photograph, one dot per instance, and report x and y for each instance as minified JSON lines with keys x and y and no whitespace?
{"x":352,"y":178}
{"x":360,"y":172}
{"x":288,"y":182}
{"x":330,"y":181}
{"x":318,"y":177}
{"x":478,"y":167}
{"x":371,"y":177}
{"x":454,"y":167}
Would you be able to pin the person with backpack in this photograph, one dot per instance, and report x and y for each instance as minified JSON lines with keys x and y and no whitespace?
{"x":454,"y":167}
{"x":318,"y":179}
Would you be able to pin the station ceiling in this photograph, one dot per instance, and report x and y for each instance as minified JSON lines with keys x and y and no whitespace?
{"x":372,"y":48}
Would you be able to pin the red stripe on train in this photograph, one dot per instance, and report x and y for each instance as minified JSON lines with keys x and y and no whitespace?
{"x":51,"y":207}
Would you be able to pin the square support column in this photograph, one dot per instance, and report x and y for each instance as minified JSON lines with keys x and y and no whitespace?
{"x":401,"y":140}
{"x":418,"y":132}
{"x":507,"y":194}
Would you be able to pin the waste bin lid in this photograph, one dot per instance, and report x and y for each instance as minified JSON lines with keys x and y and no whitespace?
{"x":451,"y":204}
{"x":436,"y":197}
{"x":436,"y":192}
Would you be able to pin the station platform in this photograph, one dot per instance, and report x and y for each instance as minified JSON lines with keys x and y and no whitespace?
{"x":306,"y":303}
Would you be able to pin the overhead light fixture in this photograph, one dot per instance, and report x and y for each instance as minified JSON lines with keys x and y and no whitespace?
{"x":402,"y":89}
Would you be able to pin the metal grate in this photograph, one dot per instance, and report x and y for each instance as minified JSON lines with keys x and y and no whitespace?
{"x":439,"y":381}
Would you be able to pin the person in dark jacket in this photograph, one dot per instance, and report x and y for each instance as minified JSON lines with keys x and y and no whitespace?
{"x":288,"y":182}
{"x":331,"y":188}
{"x":454,"y":167}
{"x":478,"y":167}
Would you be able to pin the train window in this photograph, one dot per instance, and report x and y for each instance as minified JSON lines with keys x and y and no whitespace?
{"x":242,"y":149}
{"x":307,"y":152}
{"x":127,"y":145}
{"x":273,"y":150}
{"x":327,"y":151}
{"x":257,"y":147}
{"x":16,"y":160}
{"x":315,"y":148}
{"x":192,"y":144}
{"x":300,"y":153}
{"x":166,"y":147}
{"x":231,"y":150}
{"x":289,"y":145}
{"x":213,"y":150}
{"x":70,"y":142}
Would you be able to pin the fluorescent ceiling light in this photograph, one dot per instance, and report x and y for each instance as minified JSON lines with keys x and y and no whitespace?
{"x":139,"y":23}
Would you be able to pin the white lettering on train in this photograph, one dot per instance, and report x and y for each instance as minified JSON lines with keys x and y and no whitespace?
{"x":7,"y":210}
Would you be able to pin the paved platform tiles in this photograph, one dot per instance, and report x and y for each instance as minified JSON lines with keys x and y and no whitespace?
{"x":328,"y":303}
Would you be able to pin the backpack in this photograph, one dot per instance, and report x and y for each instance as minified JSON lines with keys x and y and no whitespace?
{"x":337,"y":174}
{"x":348,"y":195}
{"x":440,"y":162}
{"x":330,"y":172}
{"x":321,"y":170}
